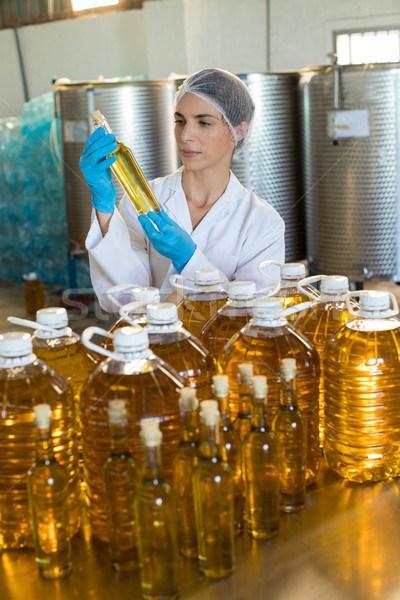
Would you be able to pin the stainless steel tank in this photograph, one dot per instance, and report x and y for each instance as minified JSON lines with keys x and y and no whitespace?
{"x":270,"y":164}
{"x":352,"y":183}
{"x":140,"y":114}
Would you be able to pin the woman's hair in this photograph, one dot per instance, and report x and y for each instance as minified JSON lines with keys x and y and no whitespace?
{"x":226,"y":93}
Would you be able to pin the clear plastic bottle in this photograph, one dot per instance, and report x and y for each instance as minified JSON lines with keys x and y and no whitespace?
{"x":24,"y":382}
{"x":183,"y":465}
{"x":213,"y":498}
{"x":264,"y":342}
{"x":179,"y":348}
{"x":149,"y":387}
{"x":121,"y":479}
{"x":128,"y":173}
{"x":206,"y":295}
{"x":243,"y":418}
{"x":47,"y":484}
{"x":34,"y":292}
{"x":156,"y":518}
{"x":260,"y":461}
{"x":231,"y":447}
{"x":288,"y":291}
{"x":322,"y":320}
{"x":362,"y":391}
{"x":289,"y":426}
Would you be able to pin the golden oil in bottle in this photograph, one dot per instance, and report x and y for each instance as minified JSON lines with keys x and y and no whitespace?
{"x":24,"y":382}
{"x":264,"y":342}
{"x":120,"y":481}
{"x":230,"y":318}
{"x":179,"y":348}
{"x":34,"y":292}
{"x":183,"y":465}
{"x":289,"y":426}
{"x":231,"y":447}
{"x":213,"y":499}
{"x":321,"y":321}
{"x":260,"y":461}
{"x":148,"y":385}
{"x":206,"y":295}
{"x":128,"y":173}
{"x":47,"y":484}
{"x":362,"y":391}
{"x":156,"y":518}
{"x":243,"y":419}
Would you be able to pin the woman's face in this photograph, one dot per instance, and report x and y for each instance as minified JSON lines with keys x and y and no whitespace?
{"x":202,"y":135}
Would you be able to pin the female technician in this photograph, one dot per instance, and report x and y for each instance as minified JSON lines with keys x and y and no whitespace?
{"x":208,"y":219}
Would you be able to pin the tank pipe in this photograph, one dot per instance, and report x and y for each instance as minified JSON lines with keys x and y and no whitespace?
{"x":19,"y":51}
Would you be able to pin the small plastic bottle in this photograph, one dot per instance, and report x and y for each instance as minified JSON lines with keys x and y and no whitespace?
{"x":206,"y":295}
{"x":243,"y":419}
{"x":47,"y":485}
{"x":170,"y":341}
{"x":34,"y":292}
{"x":128,"y":173}
{"x":183,"y":465}
{"x":289,"y":426}
{"x":120,"y":481}
{"x":213,"y":498}
{"x":156,"y":518}
{"x":260,"y":461}
{"x":231,"y":446}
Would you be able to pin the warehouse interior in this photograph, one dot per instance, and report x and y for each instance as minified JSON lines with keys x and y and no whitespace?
{"x":324,"y":153}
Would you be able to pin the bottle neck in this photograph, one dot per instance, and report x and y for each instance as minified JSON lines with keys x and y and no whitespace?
{"x":249,"y":303}
{"x":152,"y":470}
{"x":119,"y":439}
{"x":210,"y":442}
{"x":44,"y":445}
{"x":224,"y":409}
{"x":189,"y":428}
{"x":104,"y":123}
{"x":288,"y":394}
{"x":244,"y":398}
{"x":258,"y":414}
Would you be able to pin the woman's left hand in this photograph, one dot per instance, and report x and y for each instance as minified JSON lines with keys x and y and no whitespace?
{"x":169,"y":239}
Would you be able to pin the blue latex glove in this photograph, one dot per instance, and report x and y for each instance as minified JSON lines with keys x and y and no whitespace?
{"x":95,"y":168}
{"x":170,"y":239}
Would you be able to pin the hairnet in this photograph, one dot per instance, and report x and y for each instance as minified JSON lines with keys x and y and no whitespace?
{"x":226,"y":93}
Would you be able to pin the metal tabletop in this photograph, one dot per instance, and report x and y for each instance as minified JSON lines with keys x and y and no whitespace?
{"x":343,"y":546}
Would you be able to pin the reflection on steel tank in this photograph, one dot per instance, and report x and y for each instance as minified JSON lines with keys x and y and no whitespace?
{"x":140,"y":114}
{"x":270,"y":164}
{"x":351,"y":149}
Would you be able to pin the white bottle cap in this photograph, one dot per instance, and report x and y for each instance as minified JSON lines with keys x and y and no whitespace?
{"x":42,"y":416}
{"x":334,"y":284}
{"x":288,"y":368}
{"x":55,"y":317}
{"x":245,"y":373}
{"x":30,"y":276}
{"x":242,"y":290}
{"x":150,"y":432}
{"x":267,"y":308}
{"x":374,"y":300}
{"x":259,"y":386}
{"x":15,"y":343}
{"x":187,"y":399}
{"x":130,"y":339}
{"x":162,"y":314}
{"x":117,"y":412}
{"x":148,"y":295}
{"x":220,"y":386}
{"x":209,"y":413}
{"x":207,"y":277}
{"x":293,"y":271}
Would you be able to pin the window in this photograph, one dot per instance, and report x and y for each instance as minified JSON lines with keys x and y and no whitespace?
{"x":361,"y":47}
{"x":87,"y":4}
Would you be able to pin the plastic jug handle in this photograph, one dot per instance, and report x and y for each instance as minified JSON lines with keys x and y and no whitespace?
{"x":307,"y":281}
{"x":267,"y":263}
{"x":176,"y":277}
{"x":32,"y":325}
{"x":87,"y":335}
{"x":271,"y":289}
{"x":296,"y":308}
{"x":127,"y":308}
{"x":116,"y":289}
{"x":393,"y":312}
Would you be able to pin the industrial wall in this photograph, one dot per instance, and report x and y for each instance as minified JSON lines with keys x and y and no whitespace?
{"x":181,"y":36}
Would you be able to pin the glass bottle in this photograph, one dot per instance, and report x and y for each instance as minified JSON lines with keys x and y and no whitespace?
{"x":260,"y":460}
{"x":170,"y":341}
{"x":128,"y":173}
{"x":120,"y":481}
{"x":156,"y":518}
{"x":326,"y":315}
{"x":213,"y":499}
{"x":183,"y":465}
{"x":231,"y":447}
{"x":47,"y":485}
{"x":206,"y":295}
{"x":149,"y":387}
{"x":243,"y":419}
{"x":362,"y":391}
{"x":289,"y":426}
{"x":34,"y":292}
{"x":24,"y":382}
{"x":264,"y":342}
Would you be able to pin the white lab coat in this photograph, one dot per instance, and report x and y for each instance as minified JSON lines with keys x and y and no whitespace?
{"x":236,"y":235}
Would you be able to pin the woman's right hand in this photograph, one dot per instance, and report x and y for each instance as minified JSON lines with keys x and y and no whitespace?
{"x":94,"y":165}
